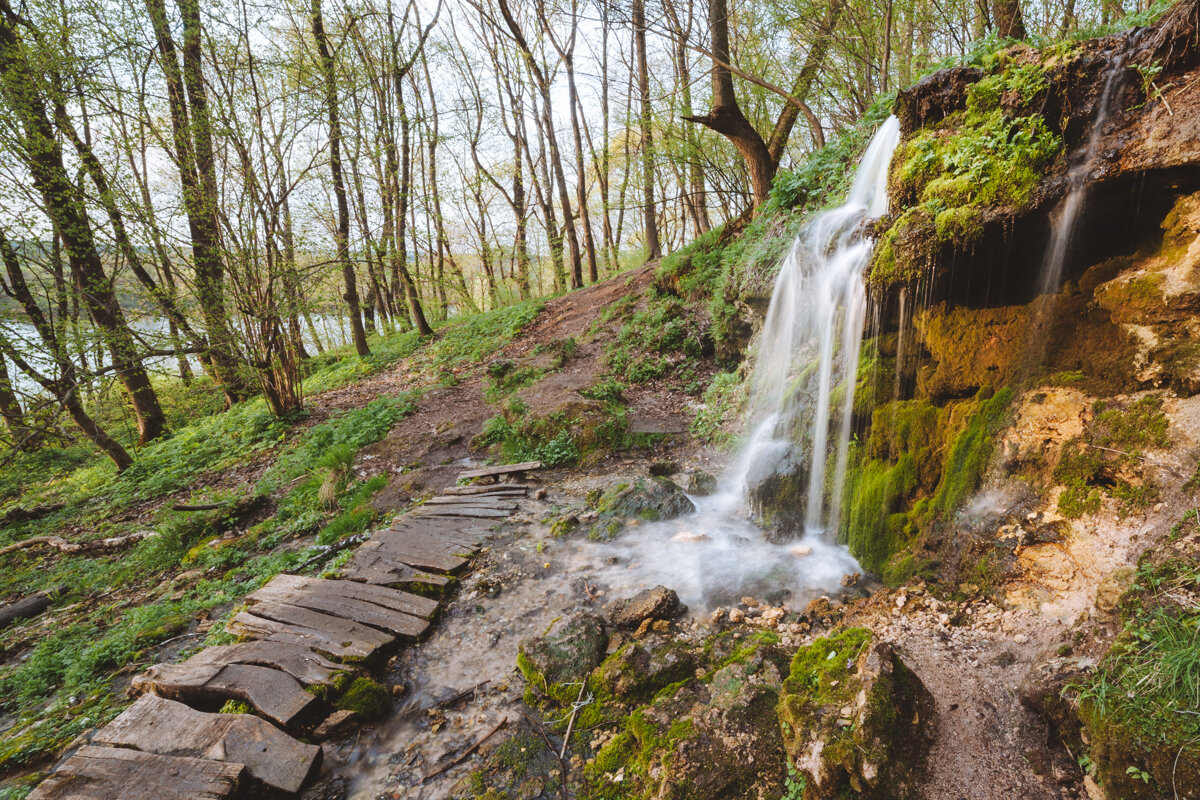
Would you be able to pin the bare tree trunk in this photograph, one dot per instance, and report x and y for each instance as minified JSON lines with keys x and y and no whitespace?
{"x":342,"y":235}
{"x":1010,"y":23}
{"x":650,"y":222}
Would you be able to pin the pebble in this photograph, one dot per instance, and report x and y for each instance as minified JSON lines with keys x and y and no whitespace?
{"x":688,"y":536}
{"x":736,"y":615}
{"x":800,"y":550}
{"x":1020,"y":638}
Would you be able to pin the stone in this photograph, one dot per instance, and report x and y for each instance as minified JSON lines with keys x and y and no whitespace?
{"x":652,"y":500}
{"x":638,"y":670}
{"x":934,"y":97}
{"x":736,"y":615}
{"x":856,"y":720}
{"x":657,"y":603}
{"x":335,"y":724}
{"x":663,"y":469}
{"x":1115,"y":584}
{"x":701,"y":483}
{"x":568,"y":652}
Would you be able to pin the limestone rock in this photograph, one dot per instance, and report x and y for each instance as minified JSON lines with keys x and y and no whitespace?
{"x":638,"y":670}
{"x":657,"y":603}
{"x":934,"y":97}
{"x":887,"y":712}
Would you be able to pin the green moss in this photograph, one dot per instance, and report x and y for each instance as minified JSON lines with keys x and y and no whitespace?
{"x":236,"y":707}
{"x":968,"y":456}
{"x":367,"y":698}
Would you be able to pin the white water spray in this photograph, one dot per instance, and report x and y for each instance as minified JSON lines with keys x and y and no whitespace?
{"x":808,"y":355}
{"x":802,"y":394}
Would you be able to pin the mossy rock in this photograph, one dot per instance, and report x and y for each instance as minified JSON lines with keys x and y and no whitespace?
{"x":567,"y":653}
{"x":855,"y":720}
{"x":367,"y":698}
{"x":639,"y":670}
{"x":651,"y":500}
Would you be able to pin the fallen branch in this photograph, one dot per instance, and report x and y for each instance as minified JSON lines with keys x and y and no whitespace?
{"x":64,"y":546}
{"x":466,"y":753}
{"x":15,"y":515}
{"x":323,"y":552}
{"x":200,"y":507}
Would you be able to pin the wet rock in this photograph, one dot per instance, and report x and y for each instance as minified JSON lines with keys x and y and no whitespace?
{"x":701,"y":483}
{"x":934,"y":97}
{"x":336,"y":724}
{"x":648,"y":604}
{"x":663,"y":469}
{"x":568,"y":652}
{"x":888,"y":715}
{"x":777,"y":490}
{"x":640,"y":669}
{"x":656,"y":499}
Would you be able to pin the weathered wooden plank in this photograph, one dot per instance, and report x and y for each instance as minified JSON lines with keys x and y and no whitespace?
{"x":460,"y":531}
{"x":338,"y":628}
{"x":437,"y":534}
{"x":115,"y":773}
{"x":276,"y":694}
{"x":485,"y":501}
{"x":410,"y":550}
{"x":502,"y":469}
{"x":394,"y":599}
{"x":374,"y":567}
{"x":347,"y":608}
{"x":164,"y":727}
{"x":474,"y":512}
{"x":303,"y":664}
{"x":332,"y":644}
{"x":499,"y":489}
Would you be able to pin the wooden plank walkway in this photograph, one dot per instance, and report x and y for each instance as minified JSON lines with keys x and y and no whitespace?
{"x":298,"y":634}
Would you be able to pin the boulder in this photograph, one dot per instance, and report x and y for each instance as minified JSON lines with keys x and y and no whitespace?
{"x":568,"y":652}
{"x":653,"y":500}
{"x":640,"y":669}
{"x":701,"y":483}
{"x":657,"y":603}
{"x":856,"y":721}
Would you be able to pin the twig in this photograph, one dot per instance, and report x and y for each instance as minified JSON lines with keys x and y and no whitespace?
{"x":466,"y":753}
{"x":326,"y":550}
{"x":463,"y":694}
{"x":1149,"y":461}
{"x":578,"y":704}
{"x":1175,"y":791}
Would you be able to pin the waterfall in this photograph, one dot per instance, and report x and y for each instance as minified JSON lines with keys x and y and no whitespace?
{"x":808,"y":353}
{"x":1066,"y":216}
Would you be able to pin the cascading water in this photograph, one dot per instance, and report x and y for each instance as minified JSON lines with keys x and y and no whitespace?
{"x":1066,"y":216}
{"x":808,"y":354}
{"x":802,"y":393}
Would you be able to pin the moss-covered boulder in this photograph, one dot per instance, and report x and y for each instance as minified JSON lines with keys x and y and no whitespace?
{"x":637,"y":671}
{"x":568,"y":652}
{"x":855,"y":720}
{"x":704,"y":738}
{"x":654,"y":499}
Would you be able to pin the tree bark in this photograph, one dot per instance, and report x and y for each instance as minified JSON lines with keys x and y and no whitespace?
{"x":649,"y":207}
{"x":1010,"y":23}
{"x":328,"y":73}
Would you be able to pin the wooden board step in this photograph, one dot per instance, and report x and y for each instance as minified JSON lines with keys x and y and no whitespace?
{"x":458,"y":535}
{"x":417,"y":550}
{"x":332,"y":636}
{"x":501,"y":469}
{"x":275,"y":694}
{"x":115,"y":773}
{"x":470,"y":512}
{"x":472,"y":500}
{"x":164,"y":727}
{"x":313,"y":596}
{"x":373,"y":568}
{"x":305,"y":665}
{"x":498,"y":489}
{"x":393,"y":599}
